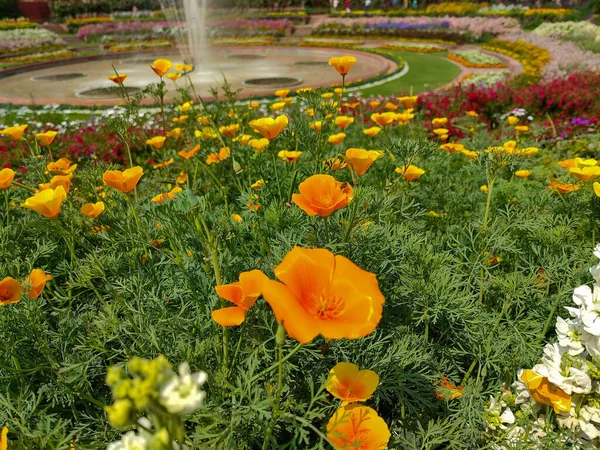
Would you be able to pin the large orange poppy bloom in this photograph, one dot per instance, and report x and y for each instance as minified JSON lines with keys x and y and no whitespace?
{"x":357,"y":427}
{"x":47,"y":202}
{"x":124,"y":181}
{"x":243,"y":294}
{"x":361,"y":159}
{"x":269,"y":127}
{"x":322,"y":194}
{"x":342,"y":64}
{"x":10,"y":291}
{"x":323,"y":293}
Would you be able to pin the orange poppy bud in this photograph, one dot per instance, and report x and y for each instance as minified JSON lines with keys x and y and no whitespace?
{"x":408,"y":101}
{"x":336,"y":139}
{"x":47,"y":202}
{"x":357,"y":426}
{"x":36,"y":282}
{"x":124,"y":181}
{"x":383,"y":119}
{"x":411,"y":173}
{"x":161,"y":66}
{"x":289,"y":156}
{"x":342,"y":64}
{"x":323,"y":293}
{"x":156,"y":142}
{"x":6,"y":178}
{"x":372,"y":132}
{"x":10,"y":291}
{"x":92,"y":210}
{"x":243,"y":294}
{"x":322,"y":195}
{"x":343,"y":121}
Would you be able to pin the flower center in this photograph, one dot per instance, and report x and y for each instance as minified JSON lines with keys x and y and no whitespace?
{"x":4,"y":294}
{"x":324,"y":305}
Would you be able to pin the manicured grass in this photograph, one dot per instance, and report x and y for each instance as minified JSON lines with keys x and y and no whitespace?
{"x":426,"y":71}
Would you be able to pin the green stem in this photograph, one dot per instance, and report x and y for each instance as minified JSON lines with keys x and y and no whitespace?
{"x":486,"y":343}
{"x":276,"y":175}
{"x":217,"y":269}
{"x":352,"y":215}
{"x":292,"y":184}
{"x":24,"y":186}
{"x":276,"y":365}
{"x":6,"y":204}
{"x":488,"y":202}
{"x":70,"y":245}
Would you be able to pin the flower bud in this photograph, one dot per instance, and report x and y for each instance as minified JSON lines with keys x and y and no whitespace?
{"x":280,"y":335}
{"x":114,"y":375}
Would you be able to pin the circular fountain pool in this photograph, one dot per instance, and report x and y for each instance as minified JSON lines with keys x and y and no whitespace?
{"x":256,"y":71}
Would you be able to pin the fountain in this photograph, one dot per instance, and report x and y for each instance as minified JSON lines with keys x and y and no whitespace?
{"x":191,"y":13}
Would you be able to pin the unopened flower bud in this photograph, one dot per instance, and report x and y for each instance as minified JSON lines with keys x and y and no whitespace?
{"x":120,"y":413}
{"x":280,"y":335}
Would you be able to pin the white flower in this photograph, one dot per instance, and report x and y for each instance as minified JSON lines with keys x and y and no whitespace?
{"x":507,"y":416}
{"x":182,"y":394}
{"x":569,"y":373}
{"x":569,"y":335}
{"x":131,"y":441}
{"x":588,"y":300}
{"x":595,"y":271}
{"x":521,"y":389}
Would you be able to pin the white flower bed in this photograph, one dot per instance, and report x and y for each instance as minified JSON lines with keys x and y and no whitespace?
{"x":21,"y":38}
{"x":477,"y":57}
{"x":486,"y":79}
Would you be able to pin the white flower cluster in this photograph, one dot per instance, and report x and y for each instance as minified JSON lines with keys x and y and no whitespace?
{"x":568,"y":375}
{"x":181,"y":394}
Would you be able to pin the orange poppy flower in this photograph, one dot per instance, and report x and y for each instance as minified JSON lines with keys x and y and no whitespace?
{"x":408,"y":101}
{"x":175,"y":133}
{"x":269,"y":127}
{"x":361,"y":159}
{"x":357,"y":427}
{"x":289,"y":156}
{"x":10,"y":291}
{"x":322,"y":195}
{"x":243,"y":294}
{"x":522,"y":173}
{"x":229,"y":130}
{"x":452,"y":147}
{"x":156,"y":142}
{"x":14,"y":133}
{"x":182,"y":178}
{"x":6,"y":178}
{"x":282,"y":93}
{"x":454,"y":392}
{"x":237,"y":218}
{"x":404,"y":117}
{"x":512,"y":120}
{"x":46,"y":138}
{"x":162,"y":165}
{"x":343,"y":121}
{"x":383,"y":119}
{"x":184,"y":67}
{"x":336,"y":139}
{"x":118,"y":79}
{"x":174,"y":76}
{"x":439,"y":122}
{"x":190,"y":153}
{"x":350,"y":384}
{"x":372,"y":131}
{"x":391,"y":106}
{"x":522,"y":128}
{"x":124,"y":181}
{"x":544,"y":392}
{"x":585,"y":173}
{"x":161,"y":66}
{"x":92,"y":210}
{"x":323,"y":293}
{"x":58,"y":180}
{"x":217,"y":157}
{"x":259,"y":144}
{"x":334,"y":164}
{"x":374,"y":103}
{"x":47,"y":202}
{"x":316,"y":125}
{"x":36,"y":282}
{"x":342,"y":64}
{"x":166,"y":196}
{"x":4,"y":439}
{"x":411,"y":173}
{"x":577,"y":162}
{"x":63,"y":165}
{"x":562,"y":188}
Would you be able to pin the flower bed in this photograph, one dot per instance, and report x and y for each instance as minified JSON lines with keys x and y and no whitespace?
{"x":141,"y":45}
{"x":476,"y":59}
{"x":435,"y":34}
{"x":249,"y":41}
{"x":532,"y":58}
{"x":584,"y":34}
{"x":484,"y":79}
{"x":23,"y":40}
{"x":35,"y":57}
{"x":11,"y":24}
{"x":337,"y":43}
{"x":415,"y":47}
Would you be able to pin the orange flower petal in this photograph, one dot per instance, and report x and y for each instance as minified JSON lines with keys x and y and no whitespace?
{"x":229,"y":317}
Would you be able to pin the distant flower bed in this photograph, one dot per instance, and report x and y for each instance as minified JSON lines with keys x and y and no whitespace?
{"x":10,"y":24}
{"x":476,"y":59}
{"x":37,"y":57}
{"x":337,"y":43}
{"x":249,"y":41}
{"x":75,"y":24}
{"x":21,"y":40}
{"x":485,"y":79}
{"x":415,"y":47}
{"x":333,"y":29}
{"x":584,"y":34}
{"x":140,"y":45}
{"x":532,"y":58}
{"x":408,"y":25}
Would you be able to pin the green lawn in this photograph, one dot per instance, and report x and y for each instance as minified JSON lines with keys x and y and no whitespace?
{"x":427,"y":71}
